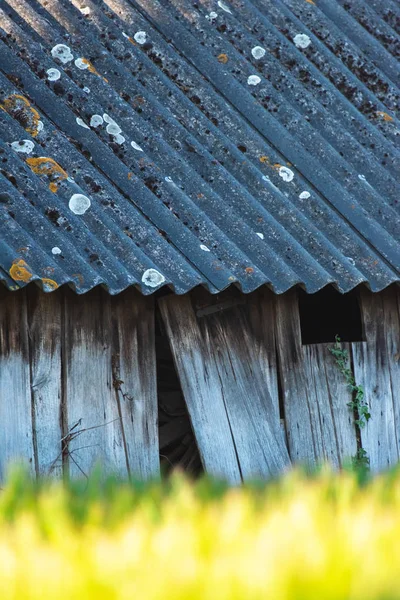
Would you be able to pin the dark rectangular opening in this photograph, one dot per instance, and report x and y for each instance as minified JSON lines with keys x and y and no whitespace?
{"x":328,"y":313}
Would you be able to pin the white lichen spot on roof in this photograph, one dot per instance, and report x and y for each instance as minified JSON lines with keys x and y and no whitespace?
{"x":140,"y":37}
{"x":362,"y":177}
{"x":260,"y":235}
{"x":56,"y":250}
{"x":168,"y":179}
{"x":86,"y":90}
{"x":113,"y":129}
{"x":82,"y":64}
{"x":304,"y":195}
{"x":301,"y":40}
{"x":152,"y":278}
{"x":53,"y":74}
{"x":85,"y":10}
{"x":96,"y":120}
{"x":258,"y":52}
{"x":119,"y":139}
{"x":224,"y":7}
{"x":62,"y":53}
{"x":286,"y":174}
{"x":24,"y":146}
{"x":39,"y":126}
{"x":212,"y":16}
{"x":81,"y":123}
{"x":136,"y":146}
{"x":203,"y":247}
{"x":253,"y":80}
{"x":79,"y":204}
{"x":351,"y":260}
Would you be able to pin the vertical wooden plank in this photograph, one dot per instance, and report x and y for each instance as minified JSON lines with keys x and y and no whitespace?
{"x":201,"y":387}
{"x":44,"y":322}
{"x":319,"y":423}
{"x":135,"y":381}
{"x":16,"y":436}
{"x":262,"y":322}
{"x":376,"y":369}
{"x":226,"y":390}
{"x":92,"y":412}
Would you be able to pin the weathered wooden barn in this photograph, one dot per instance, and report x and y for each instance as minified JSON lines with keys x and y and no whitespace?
{"x":199,"y":235}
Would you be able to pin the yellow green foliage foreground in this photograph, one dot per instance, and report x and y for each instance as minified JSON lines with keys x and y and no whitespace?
{"x":322,"y":537}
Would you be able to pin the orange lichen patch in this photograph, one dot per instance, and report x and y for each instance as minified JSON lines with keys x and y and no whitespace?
{"x":249,"y":270}
{"x":276,"y":166}
{"x":310,"y":2}
{"x":223,"y":58}
{"x":49,"y":283}
{"x":92,"y":69}
{"x":264,"y":159}
{"x":385,"y":116}
{"x":130,"y":175}
{"x":43,"y":165}
{"x":19,"y":271}
{"x":20,"y":109}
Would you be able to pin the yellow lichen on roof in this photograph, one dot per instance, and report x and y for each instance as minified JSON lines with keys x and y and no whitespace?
{"x":19,"y":271}
{"x":18,"y":107}
{"x":43,"y":165}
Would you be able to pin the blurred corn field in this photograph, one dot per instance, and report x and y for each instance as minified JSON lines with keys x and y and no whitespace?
{"x":324,"y":536}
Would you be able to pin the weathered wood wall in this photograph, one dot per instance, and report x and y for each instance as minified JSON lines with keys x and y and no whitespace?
{"x":78,"y":382}
{"x":230,"y":352}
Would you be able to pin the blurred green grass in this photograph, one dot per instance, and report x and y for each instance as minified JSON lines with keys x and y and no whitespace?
{"x":319,"y":535}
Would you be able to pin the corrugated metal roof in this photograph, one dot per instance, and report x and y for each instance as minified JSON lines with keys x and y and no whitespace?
{"x":172,"y":142}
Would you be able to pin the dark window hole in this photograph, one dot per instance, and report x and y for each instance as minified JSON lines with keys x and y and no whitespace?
{"x":328,"y":313}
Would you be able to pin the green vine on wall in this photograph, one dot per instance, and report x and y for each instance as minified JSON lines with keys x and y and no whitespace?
{"x":358,"y":403}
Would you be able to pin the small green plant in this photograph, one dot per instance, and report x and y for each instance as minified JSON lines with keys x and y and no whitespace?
{"x":361,"y":460}
{"x":357,"y":403}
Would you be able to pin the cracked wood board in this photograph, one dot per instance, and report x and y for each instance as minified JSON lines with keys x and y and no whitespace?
{"x":137,"y":394}
{"x":221,"y":364}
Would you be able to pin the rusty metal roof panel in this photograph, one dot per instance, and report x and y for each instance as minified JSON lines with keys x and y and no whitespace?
{"x":179,"y":143}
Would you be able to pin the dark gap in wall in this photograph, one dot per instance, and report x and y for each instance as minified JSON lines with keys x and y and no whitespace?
{"x":178,"y":446}
{"x":328,"y":313}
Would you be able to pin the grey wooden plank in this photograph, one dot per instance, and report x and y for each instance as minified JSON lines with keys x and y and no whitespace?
{"x":295,"y":387}
{"x":376,"y":369}
{"x":225,"y":386}
{"x":44,"y":322}
{"x":333,"y":420}
{"x":262,"y":321}
{"x":92,"y":411}
{"x":201,"y":388}
{"x":16,"y":433}
{"x":135,"y":366}
{"x":319,"y":424}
